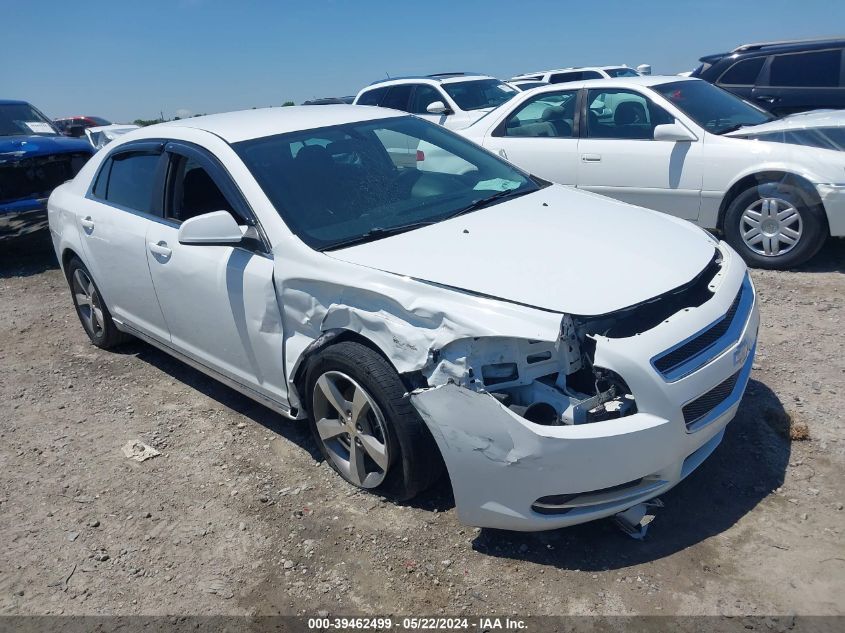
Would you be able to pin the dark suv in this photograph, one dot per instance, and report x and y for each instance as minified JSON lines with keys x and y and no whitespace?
{"x":783,"y":77}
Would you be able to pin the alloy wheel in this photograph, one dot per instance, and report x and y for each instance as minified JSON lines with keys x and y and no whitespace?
{"x":771,"y":227}
{"x":352,"y":429}
{"x":88,"y":302}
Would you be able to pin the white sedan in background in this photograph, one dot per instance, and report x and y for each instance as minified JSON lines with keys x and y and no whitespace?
{"x":774,"y":187}
{"x":565,"y":355}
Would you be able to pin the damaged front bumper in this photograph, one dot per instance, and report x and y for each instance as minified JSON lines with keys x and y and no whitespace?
{"x":510,"y":473}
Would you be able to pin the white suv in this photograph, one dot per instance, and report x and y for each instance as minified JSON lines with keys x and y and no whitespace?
{"x":563,"y":75}
{"x":453,"y":100}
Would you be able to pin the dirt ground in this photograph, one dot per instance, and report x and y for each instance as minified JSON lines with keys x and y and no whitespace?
{"x":238,"y":516}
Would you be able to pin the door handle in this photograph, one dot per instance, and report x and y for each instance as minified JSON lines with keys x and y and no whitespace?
{"x":87,"y":223}
{"x":160,"y":249}
{"x":766,"y":98}
{"x":591,"y":158}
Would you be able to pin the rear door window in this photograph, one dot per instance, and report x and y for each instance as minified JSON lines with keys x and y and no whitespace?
{"x":131,"y":181}
{"x":743,"y":73}
{"x":814,"y":69}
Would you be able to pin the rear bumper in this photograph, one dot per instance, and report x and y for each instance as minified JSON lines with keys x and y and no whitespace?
{"x":833,"y":201}
{"x":502,"y":466}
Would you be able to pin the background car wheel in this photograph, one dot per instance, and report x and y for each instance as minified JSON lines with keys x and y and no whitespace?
{"x":91,"y":309}
{"x":774,"y":225}
{"x":365,"y":427}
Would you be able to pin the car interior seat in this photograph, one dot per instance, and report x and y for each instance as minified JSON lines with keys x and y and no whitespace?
{"x":631,"y":120}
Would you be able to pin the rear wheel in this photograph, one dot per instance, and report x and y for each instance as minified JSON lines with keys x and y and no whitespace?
{"x":775,"y":225}
{"x":91,"y":309}
{"x":364,"y":425}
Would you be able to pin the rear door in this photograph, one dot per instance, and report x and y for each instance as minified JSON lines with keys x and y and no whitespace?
{"x":620,"y":158}
{"x":125,"y":200}
{"x":539,"y":136}
{"x":796,"y":82}
{"x":219,"y":301}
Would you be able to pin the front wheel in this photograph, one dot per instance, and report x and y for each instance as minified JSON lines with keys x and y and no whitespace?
{"x":774,"y":226}
{"x":364,"y":425}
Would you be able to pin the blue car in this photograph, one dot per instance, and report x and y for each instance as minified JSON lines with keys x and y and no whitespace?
{"x":34,"y":159}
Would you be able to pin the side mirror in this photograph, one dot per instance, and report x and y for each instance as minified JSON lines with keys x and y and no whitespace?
{"x":215,"y":228}
{"x":673,"y":132}
{"x":438,"y":107}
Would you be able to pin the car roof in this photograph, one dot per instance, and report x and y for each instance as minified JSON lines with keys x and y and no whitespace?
{"x":572,"y":69}
{"x":13,"y":102}
{"x":243,"y":125}
{"x":618,"y":82}
{"x":437,"y":78}
{"x":782,"y":46}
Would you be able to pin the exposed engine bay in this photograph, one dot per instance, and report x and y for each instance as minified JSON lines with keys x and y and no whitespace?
{"x":557,"y":383}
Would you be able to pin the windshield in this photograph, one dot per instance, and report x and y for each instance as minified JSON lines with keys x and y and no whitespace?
{"x":361,"y":181}
{"x":714,"y":109}
{"x":21,"y":119}
{"x":99,"y":120}
{"x":479,"y":93}
{"x":622,"y":72}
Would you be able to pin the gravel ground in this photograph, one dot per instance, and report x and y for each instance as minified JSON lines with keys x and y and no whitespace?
{"x":238,"y":516}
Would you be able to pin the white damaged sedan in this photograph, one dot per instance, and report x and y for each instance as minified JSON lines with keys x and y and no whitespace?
{"x":564,"y":355}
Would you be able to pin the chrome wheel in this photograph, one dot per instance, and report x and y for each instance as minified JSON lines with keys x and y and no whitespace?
{"x":87,"y":303}
{"x":352,"y":428}
{"x":771,"y":227}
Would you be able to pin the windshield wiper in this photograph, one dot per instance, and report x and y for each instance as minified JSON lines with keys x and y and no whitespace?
{"x":376,"y":233}
{"x":483,"y":202}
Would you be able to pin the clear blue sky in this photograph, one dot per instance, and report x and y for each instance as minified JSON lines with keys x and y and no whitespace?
{"x":125,"y":60}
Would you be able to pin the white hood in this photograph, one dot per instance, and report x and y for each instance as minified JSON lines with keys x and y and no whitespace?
{"x":558,"y":249}
{"x":800,"y":121}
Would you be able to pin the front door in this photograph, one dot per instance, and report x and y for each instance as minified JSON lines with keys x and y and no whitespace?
{"x":538,"y":136}
{"x":219,"y":301}
{"x":618,"y":156}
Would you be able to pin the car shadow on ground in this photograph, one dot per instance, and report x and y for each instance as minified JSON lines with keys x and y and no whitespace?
{"x":295,"y":431}
{"x":438,"y":497}
{"x":26,"y":255}
{"x":830,"y":259}
{"x":747,"y":467}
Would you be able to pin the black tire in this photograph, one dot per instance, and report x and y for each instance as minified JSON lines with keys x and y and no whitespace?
{"x":414,"y":459}
{"x":103,"y":332}
{"x":812,"y":219}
